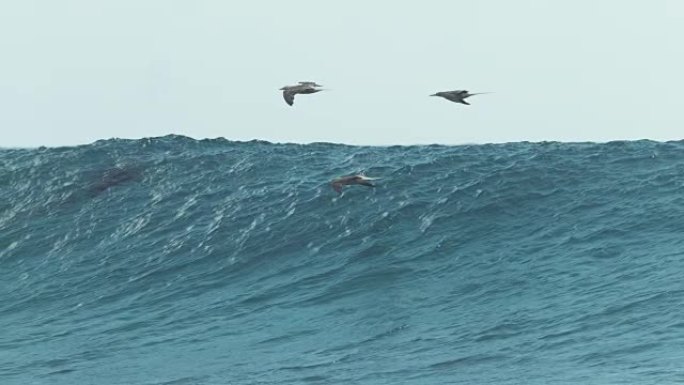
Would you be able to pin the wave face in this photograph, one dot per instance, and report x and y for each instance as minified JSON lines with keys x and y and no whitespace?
{"x":176,"y":261}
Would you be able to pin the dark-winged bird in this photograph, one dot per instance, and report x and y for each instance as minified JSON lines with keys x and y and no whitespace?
{"x":339,"y":183}
{"x":457,"y":96}
{"x":289,"y":92}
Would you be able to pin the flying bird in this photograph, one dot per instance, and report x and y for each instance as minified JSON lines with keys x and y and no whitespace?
{"x":339,"y":183}
{"x":457,"y":96}
{"x":289,"y":92}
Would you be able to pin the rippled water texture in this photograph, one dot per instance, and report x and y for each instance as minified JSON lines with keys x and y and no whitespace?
{"x":175,"y":261}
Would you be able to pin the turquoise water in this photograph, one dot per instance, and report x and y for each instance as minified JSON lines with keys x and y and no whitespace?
{"x":175,"y":261}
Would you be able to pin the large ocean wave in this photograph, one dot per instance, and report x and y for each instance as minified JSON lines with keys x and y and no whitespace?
{"x":175,"y":261}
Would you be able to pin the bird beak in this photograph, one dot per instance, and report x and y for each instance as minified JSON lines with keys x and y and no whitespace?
{"x":433,"y":95}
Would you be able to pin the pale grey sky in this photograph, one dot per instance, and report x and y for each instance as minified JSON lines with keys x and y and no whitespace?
{"x":74,"y":71}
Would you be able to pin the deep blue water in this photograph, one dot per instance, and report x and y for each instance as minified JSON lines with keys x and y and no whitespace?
{"x":175,"y":261}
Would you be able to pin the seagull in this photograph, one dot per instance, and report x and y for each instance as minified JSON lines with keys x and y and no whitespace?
{"x":339,"y":183}
{"x":457,"y":96}
{"x":289,"y":92}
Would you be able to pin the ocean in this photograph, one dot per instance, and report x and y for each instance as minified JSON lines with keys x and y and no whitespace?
{"x":174,"y":261}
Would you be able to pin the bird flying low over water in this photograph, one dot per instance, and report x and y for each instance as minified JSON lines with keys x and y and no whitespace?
{"x":457,"y":96}
{"x":289,"y":92}
{"x":339,"y":183}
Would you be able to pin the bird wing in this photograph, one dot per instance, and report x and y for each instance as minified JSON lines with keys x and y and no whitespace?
{"x":289,"y":97}
{"x":310,"y":84}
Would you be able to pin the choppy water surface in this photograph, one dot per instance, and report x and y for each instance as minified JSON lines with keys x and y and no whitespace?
{"x":175,"y":261}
